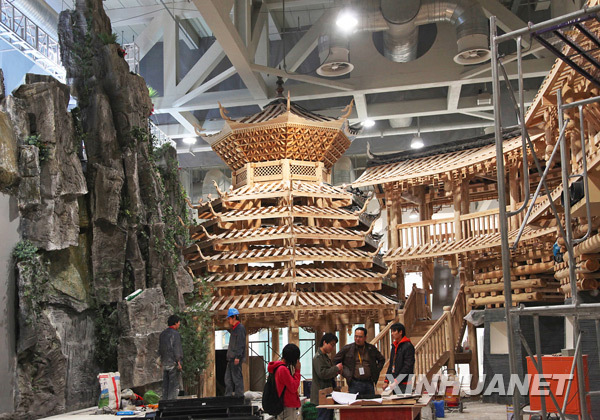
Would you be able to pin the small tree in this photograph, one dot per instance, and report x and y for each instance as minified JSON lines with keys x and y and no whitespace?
{"x":196,"y":325}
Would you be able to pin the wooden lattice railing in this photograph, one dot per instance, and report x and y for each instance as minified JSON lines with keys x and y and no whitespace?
{"x":441,"y":341}
{"x":444,"y":230}
{"x":481,"y":223}
{"x":427,"y":231}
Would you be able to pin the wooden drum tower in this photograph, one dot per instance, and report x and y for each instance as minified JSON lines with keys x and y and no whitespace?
{"x":283,"y":246}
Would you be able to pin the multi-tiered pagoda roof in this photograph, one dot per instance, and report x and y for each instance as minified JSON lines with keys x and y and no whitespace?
{"x":283,"y":244}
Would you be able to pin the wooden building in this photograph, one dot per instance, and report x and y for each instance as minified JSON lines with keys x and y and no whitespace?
{"x":463,"y":175}
{"x":283,"y":246}
{"x":290,"y":250}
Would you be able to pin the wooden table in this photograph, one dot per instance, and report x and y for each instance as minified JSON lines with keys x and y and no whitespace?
{"x":380,"y":412}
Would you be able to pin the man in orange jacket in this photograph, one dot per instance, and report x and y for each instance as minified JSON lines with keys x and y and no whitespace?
{"x":402,"y":358}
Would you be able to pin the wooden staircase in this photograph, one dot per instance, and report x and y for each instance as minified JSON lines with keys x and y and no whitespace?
{"x":436,"y":341}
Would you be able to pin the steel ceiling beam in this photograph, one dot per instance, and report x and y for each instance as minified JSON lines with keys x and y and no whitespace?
{"x":217,"y":18}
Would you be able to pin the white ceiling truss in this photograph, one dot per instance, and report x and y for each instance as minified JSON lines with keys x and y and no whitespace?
{"x":431,"y":86}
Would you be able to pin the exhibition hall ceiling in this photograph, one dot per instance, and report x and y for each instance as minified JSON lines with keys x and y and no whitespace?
{"x":408,"y":65}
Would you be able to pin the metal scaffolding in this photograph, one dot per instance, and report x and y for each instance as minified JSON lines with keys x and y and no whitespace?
{"x":577,"y":310}
{"x":25,"y":36}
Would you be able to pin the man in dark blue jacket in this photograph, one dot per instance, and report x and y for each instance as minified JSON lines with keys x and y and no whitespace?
{"x":402,"y":358}
{"x":171,"y":355}
{"x":236,"y":355}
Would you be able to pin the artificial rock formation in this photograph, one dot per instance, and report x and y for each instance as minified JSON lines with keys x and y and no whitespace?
{"x":9,"y":165}
{"x":100,"y":218}
{"x":52,"y":173}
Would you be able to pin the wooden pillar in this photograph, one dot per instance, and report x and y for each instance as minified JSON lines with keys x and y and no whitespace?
{"x":474,"y":363}
{"x":294,"y":333}
{"x":457,"y":191}
{"x":318,"y":334}
{"x":343,"y":337}
{"x":370,"y":326}
{"x":210,"y":377}
{"x":513,"y":185}
{"x":428,"y":272}
{"x":450,"y":343}
{"x":246,"y":365}
{"x":329,"y":325}
{"x":461,"y":202}
{"x":275,"y":352}
{"x":394,"y":213}
{"x":400,"y":286}
{"x":425,"y":213}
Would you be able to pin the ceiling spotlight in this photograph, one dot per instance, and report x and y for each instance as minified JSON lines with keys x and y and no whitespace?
{"x":417,"y":141}
{"x":368,"y":123}
{"x":346,"y":20}
{"x":189,"y":140}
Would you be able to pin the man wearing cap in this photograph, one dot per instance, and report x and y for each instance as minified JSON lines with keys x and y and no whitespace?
{"x":236,"y":355}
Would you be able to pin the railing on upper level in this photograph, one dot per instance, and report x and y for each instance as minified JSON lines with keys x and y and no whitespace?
{"x":481,"y":223}
{"x":444,"y":230}
{"x":24,"y":35}
{"x":441,"y":341}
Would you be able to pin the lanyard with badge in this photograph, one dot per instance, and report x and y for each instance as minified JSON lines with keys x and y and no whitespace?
{"x":361,"y":369}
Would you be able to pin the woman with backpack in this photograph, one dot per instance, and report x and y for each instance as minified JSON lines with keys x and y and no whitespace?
{"x":287,"y":381}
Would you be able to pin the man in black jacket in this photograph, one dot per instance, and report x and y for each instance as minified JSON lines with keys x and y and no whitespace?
{"x":171,"y":355}
{"x":402,"y":359}
{"x":236,"y":355}
{"x":362,"y":363}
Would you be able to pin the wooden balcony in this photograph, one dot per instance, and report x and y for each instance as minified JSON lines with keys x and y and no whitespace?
{"x":444,"y":230}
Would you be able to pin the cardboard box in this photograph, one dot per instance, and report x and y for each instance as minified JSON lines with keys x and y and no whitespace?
{"x":325,"y":396}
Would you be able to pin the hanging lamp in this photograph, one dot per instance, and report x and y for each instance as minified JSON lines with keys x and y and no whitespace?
{"x":417,"y":141}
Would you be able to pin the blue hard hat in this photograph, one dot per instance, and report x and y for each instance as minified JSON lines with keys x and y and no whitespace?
{"x":232,"y":312}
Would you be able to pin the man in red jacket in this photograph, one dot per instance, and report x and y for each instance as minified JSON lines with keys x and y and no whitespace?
{"x":402,"y":359}
{"x":287,"y":375}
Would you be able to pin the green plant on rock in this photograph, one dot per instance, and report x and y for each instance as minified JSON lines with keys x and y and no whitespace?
{"x":175,"y":210}
{"x":35,"y":272}
{"x":106,"y":337}
{"x":25,"y":251}
{"x":140,"y":135}
{"x":80,"y":134}
{"x":84,"y":59}
{"x":43,"y":149}
{"x":108,"y":38}
{"x":152,"y":92}
{"x":196,"y":325}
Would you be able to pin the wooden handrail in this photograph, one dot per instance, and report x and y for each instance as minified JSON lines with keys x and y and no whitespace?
{"x":478,"y":214}
{"x":383,"y":332}
{"x":425,"y":223}
{"x":444,"y":230}
{"x":433,"y":349}
{"x":383,"y":340}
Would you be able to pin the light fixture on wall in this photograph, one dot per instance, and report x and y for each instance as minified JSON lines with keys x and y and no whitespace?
{"x":417,"y":141}
{"x":413,"y":214}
